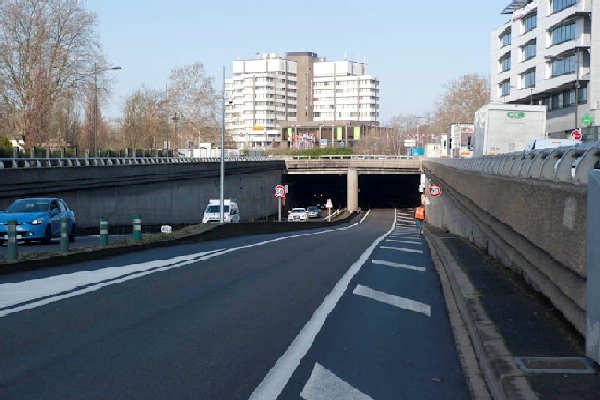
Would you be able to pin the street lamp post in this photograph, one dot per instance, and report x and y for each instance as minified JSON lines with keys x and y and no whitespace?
{"x":95,"y":110}
{"x":418,"y":136}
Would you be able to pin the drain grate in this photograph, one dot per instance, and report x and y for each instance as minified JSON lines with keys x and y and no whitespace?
{"x":555,"y":365}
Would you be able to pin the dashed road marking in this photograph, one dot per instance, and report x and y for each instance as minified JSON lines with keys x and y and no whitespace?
{"x":277,"y":378}
{"x":404,"y":241}
{"x":404,"y":249}
{"x":397,"y":265}
{"x":396,"y":301}
{"x":325,"y":385}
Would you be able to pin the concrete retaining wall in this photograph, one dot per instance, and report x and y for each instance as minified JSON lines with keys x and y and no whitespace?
{"x":161,"y":194}
{"x":533,"y":226}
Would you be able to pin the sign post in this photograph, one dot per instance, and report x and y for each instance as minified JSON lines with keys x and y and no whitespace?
{"x":280,"y":192}
{"x":329,"y":206}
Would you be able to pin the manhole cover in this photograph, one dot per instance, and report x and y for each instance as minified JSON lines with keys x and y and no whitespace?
{"x":555,"y":365}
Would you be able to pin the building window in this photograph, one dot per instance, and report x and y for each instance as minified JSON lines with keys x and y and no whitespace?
{"x":529,"y":50}
{"x":563,"y":66}
{"x":563,"y":33}
{"x":528,"y":79}
{"x":529,"y":23}
{"x":559,"y":5}
{"x":505,"y":63}
{"x":505,"y":38}
{"x":583,"y":95}
{"x":505,"y":88}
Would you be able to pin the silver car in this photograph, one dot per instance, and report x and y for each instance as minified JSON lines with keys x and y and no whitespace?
{"x":298,"y":215}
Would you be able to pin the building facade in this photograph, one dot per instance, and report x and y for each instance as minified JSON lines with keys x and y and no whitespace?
{"x":548,"y":53}
{"x":260,"y":95}
{"x":301,"y":100}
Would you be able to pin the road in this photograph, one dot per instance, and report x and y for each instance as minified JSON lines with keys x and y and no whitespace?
{"x":354,"y":312}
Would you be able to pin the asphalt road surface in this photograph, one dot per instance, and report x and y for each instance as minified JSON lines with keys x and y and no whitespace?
{"x":351,"y":312}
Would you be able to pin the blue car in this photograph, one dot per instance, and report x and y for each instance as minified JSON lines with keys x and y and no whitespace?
{"x":37,"y":219}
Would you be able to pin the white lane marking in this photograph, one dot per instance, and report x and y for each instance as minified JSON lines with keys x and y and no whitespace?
{"x":404,"y":241}
{"x":396,"y":301}
{"x":276,"y":379}
{"x":325,"y":385}
{"x":396,"y":265}
{"x":365,"y":217}
{"x":43,"y":291}
{"x":19,"y":292}
{"x":404,"y":249}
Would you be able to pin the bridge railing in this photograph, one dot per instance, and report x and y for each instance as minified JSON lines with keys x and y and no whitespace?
{"x":111,"y":161}
{"x":353,"y":157}
{"x":563,"y":164}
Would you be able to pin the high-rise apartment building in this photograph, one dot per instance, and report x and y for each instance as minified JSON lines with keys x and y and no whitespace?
{"x":549,"y":53}
{"x":299,"y":97}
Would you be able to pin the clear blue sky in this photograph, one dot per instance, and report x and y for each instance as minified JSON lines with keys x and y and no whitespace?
{"x":413,"y":47}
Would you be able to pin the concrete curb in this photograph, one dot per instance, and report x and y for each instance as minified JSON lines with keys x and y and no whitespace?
{"x":483,"y":352}
{"x":190,"y":234}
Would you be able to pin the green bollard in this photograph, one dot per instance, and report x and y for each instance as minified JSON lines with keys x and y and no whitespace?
{"x":12,"y":252}
{"x":103,"y":231}
{"x":64,"y":235}
{"x":137,"y":228}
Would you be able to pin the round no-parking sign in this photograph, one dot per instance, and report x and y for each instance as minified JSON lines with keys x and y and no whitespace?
{"x":435,"y":190}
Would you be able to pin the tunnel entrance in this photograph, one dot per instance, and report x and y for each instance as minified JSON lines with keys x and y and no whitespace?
{"x":312,"y":190}
{"x":375,"y":190}
{"x":388,"y":191}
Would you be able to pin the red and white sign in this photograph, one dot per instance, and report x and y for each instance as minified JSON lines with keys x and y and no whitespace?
{"x":280,"y":191}
{"x":435,"y":190}
{"x":576,"y":135}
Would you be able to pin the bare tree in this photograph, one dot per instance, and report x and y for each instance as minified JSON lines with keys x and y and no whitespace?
{"x":194,"y":101}
{"x":144,"y":124}
{"x":46,"y":49}
{"x":462,"y":98}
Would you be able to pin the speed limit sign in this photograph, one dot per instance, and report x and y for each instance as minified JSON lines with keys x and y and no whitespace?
{"x":280,"y":191}
{"x":435,"y":190}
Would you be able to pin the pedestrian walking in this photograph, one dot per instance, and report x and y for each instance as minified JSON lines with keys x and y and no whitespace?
{"x":419,"y":218}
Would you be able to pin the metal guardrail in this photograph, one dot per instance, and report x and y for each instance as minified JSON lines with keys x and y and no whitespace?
{"x":353,"y":157}
{"x":12,"y":163}
{"x":563,"y":164}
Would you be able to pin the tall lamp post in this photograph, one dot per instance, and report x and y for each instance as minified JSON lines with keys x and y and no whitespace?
{"x":95,"y":119}
{"x":418,"y":124}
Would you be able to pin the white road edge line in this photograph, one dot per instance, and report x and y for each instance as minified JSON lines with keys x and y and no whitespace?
{"x":396,"y":265}
{"x":325,"y":385}
{"x":277,"y":378}
{"x":404,"y":249}
{"x":396,"y":301}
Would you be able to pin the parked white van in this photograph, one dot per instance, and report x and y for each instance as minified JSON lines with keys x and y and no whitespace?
{"x":231,"y":212}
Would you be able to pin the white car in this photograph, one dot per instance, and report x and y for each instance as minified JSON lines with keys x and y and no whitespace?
{"x":212,"y":213}
{"x":298,"y":215}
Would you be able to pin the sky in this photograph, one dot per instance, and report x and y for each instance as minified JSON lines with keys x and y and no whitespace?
{"x":412,"y":47}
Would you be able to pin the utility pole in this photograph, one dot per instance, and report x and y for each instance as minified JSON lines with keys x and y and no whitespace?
{"x":222,"y":174}
{"x":95,"y":112}
{"x":576,"y":88}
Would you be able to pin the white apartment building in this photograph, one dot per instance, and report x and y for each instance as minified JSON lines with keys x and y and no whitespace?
{"x":549,"y":53}
{"x":344,"y":91}
{"x":259,"y":96}
{"x":298,"y":97}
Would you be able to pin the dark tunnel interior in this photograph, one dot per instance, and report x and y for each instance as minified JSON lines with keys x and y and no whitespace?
{"x":375,"y":190}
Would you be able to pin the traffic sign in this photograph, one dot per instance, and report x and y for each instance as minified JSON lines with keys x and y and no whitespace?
{"x":280,"y":191}
{"x":586,"y":120}
{"x":435,"y":190}
{"x":576,"y":134}
{"x":329,"y":204}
